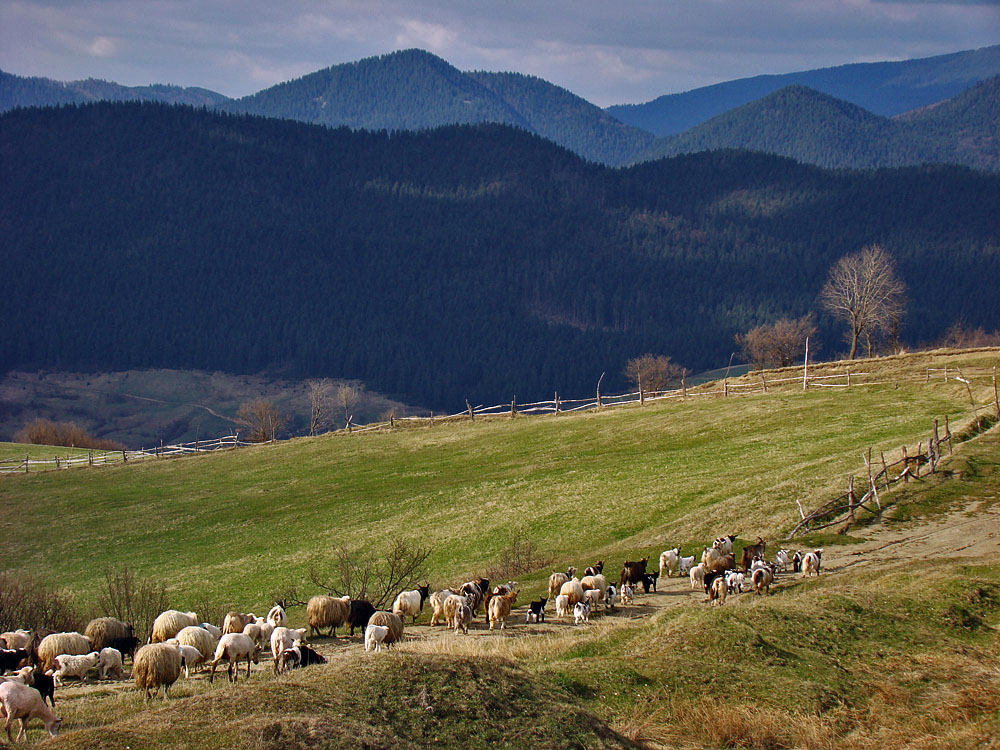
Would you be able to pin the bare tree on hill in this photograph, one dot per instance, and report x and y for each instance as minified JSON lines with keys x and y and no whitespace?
{"x":320,"y":404}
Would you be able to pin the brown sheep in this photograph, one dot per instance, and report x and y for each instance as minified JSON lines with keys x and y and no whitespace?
{"x":391,"y":621}
{"x":156,"y":664}
{"x":56,"y":644}
{"x":327,"y":612}
{"x":103,"y":630}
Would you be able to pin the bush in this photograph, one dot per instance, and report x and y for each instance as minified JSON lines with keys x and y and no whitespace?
{"x":28,"y":603}
{"x":67,"y":434}
{"x":131,"y":599}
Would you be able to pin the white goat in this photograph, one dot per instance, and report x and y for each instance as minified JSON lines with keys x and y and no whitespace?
{"x":375,"y":636}
{"x":668,"y":562}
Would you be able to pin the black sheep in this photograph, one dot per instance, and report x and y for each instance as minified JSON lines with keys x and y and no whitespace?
{"x":361,"y":612}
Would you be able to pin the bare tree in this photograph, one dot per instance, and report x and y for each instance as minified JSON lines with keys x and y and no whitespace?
{"x":864,"y":291}
{"x":653,"y":372}
{"x":377,"y":577}
{"x":132,"y":599}
{"x":262,"y":420}
{"x":347,"y":396}
{"x":778,"y":344}
{"x":320,"y":404}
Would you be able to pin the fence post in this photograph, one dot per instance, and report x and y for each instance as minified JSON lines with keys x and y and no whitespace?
{"x":472,"y":412}
{"x":90,"y":458}
{"x":996,"y":400}
{"x":848,"y":377}
{"x":25,"y":463}
{"x":557,"y":402}
{"x":725,"y":388}
{"x":513,"y":406}
{"x":684,"y":386}
{"x":763,"y":382}
{"x":934,"y":452}
{"x":947,"y":435}
{"x":946,"y":373}
{"x":350,"y":422}
{"x":57,"y":462}
{"x":599,"y":403}
{"x":906,"y":467}
{"x":850,"y":503}
{"x":124,"y":457}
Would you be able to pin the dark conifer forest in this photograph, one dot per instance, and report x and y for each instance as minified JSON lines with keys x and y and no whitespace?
{"x":470,"y":262}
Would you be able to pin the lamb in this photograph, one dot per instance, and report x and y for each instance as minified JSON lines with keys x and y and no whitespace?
{"x":55,"y":644}
{"x":277,"y":617}
{"x":327,"y":612}
{"x":593,"y":597}
{"x":462,"y":619}
{"x":718,"y":590}
{"x":698,"y":576}
{"x":668,"y":561}
{"x":282,"y":639}
{"x":735,"y":581}
{"x":581,"y":612}
{"x":536,"y":610}
{"x":556,"y":581}
{"x":762,"y":579}
{"x":563,"y":606}
{"x":68,"y":665}
{"x":290,"y":658}
{"x":16,"y":639}
{"x":375,"y":636}
{"x":685,"y":564}
{"x":168,"y":624}
{"x":627,"y":593}
{"x":598,"y":582}
{"x":12,"y":658}
{"x":500,"y":606}
{"x":190,"y":656}
{"x":389,"y":620}
{"x":594,"y":570}
{"x":411,"y":603}
{"x":198,"y":638}
{"x":110,"y":662}
{"x":573,"y":589}
{"x":156,"y":665}
{"x":102,"y":630}
{"x":811,"y":562}
{"x":437,"y":606}
{"x":234,"y":648}
{"x":18,"y":701}
{"x":215,"y":630}
{"x":361,"y":612}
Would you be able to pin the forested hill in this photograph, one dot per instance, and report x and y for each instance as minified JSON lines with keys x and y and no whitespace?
{"x":466,"y":262}
{"x":883,"y":88}
{"x":18,"y":91}
{"x":815,"y":128}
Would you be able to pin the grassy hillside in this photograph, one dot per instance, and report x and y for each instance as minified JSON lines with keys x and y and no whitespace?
{"x":234,"y":527}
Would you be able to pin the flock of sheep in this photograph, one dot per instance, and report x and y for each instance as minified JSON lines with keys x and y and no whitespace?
{"x":41,"y":660}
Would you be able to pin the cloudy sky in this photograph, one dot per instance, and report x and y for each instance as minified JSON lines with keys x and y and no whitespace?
{"x":608,"y":52}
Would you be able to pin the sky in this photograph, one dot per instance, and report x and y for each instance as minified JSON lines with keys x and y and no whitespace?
{"x":607,"y":52}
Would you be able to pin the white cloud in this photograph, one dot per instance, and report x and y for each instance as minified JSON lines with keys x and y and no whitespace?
{"x":102,"y":46}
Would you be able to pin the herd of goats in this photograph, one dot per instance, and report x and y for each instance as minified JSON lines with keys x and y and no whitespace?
{"x":40,"y":660}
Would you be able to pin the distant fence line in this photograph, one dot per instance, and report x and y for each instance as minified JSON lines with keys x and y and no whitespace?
{"x":753,"y":382}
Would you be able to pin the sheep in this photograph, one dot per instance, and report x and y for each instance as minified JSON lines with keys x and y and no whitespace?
{"x":594,"y":570}
{"x":18,"y":701}
{"x":720,"y":563}
{"x":411,"y":603}
{"x":283,"y":638}
{"x":598,"y":582}
{"x":102,"y":630}
{"x":698,"y":576}
{"x":16,"y":639}
{"x":215,"y":630}
{"x":234,"y":648}
{"x":361,"y":612}
{"x":475,"y":591}
{"x":762,"y":579}
{"x":499,"y":590}
{"x":462,"y":619}
{"x":55,"y":644}
{"x":260,"y":631}
{"x":573,"y":589}
{"x":717,"y":592}
{"x":43,"y":683}
{"x":110,"y":662}
{"x":437,"y":606}
{"x":234,"y":622}
{"x":190,"y":656}
{"x":197,"y":637}
{"x":627,"y":593}
{"x":752,"y":551}
{"x":563,"y":605}
{"x":452,"y":604}
{"x":375,"y":636}
{"x":536,"y":610}
{"x":685,"y":564}
{"x":288,"y":659}
{"x":69,"y":665}
{"x":811,"y":562}
{"x":155,"y":665}
{"x":168,"y":624}
{"x":710,"y":555}
{"x":581,"y":613}
{"x":556,"y":581}
{"x":12,"y":658}
{"x":593,"y":597}
{"x":668,"y":561}
{"x":309,"y":656}
{"x":327,"y":612}
{"x":389,"y":620}
{"x":277,"y":617}
{"x":500,"y":606}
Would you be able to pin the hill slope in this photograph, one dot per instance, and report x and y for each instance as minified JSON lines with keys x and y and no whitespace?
{"x":884,"y":88}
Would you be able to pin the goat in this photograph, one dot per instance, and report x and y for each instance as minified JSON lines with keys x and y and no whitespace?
{"x":536,"y":610}
{"x":632,"y":572}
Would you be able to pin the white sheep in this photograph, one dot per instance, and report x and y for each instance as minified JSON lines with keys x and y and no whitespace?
{"x":213,"y":629}
{"x":581,"y":612}
{"x":110,"y":662}
{"x":573,"y":589}
{"x":284,"y":638}
{"x":260,"y":631}
{"x":277,"y":617}
{"x":234,"y":648}
{"x":668,"y":561}
{"x":16,"y":638}
{"x":563,"y":605}
{"x":437,"y":606}
{"x":70,"y":665}
{"x":375,"y":637}
{"x":23,"y":703}
{"x":698,"y":576}
{"x":735,"y":581}
{"x":167,"y":624}
{"x":685,"y":564}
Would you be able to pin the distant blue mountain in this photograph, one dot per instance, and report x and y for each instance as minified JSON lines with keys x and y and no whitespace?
{"x":883,"y":88}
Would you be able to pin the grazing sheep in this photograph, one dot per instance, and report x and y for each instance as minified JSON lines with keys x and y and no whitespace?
{"x":462,"y":619}
{"x":536,"y":610}
{"x":668,"y":561}
{"x":556,"y":581}
{"x":156,"y":664}
{"x":234,"y":648}
{"x":685,"y":564}
{"x":168,"y":624}
{"x":110,"y":662}
{"x":12,"y":658}
{"x":277,"y":617}
{"x":627,"y":593}
{"x":23,"y":703}
{"x":811,"y":562}
{"x":215,"y":630}
{"x":437,"y":606}
{"x":282,"y":639}
{"x":327,"y":612}
{"x":581,"y":612}
{"x":563,"y":606}
{"x":698,"y":576}
{"x":593,"y":597}
{"x":411,"y":603}
{"x":375,"y":636}
{"x":191,"y":657}
{"x":361,"y":612}
{"x":717,"y":592}
{"x":197,"y":637}
{"x":16,"y":639}
{"x":762,"y":580}
{"x":55,"y":644}
{"x":573,"y":589}
{"x":594,"y":570}
{"x":598,"y":582}
{"x":391,"y":621}
{"x":500,"y":606}
{"x":68,"y":665}
{"x":102,"y":630}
